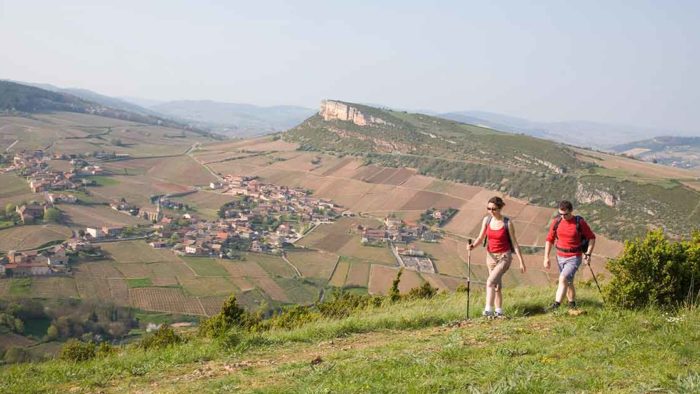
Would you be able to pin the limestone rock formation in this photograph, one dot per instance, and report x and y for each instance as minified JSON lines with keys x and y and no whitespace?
{"x":336,"y":110}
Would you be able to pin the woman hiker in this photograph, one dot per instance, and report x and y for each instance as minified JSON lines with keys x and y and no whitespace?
{"x":501,"y":243}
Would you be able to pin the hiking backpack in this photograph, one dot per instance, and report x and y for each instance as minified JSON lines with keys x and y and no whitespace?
{"x":506,"y":221}
{"x":582,"y":247}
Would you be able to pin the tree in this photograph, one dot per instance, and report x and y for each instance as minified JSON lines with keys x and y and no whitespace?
{"x":19,"y":326}
{"x":394,"y":294}
{"x":52,"y":215}
{"x":52,"y":333}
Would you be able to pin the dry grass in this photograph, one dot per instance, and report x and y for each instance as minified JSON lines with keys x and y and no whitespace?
{"x":28,"y":237}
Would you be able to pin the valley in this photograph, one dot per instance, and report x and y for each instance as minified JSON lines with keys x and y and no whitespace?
{"x":381,"y":172}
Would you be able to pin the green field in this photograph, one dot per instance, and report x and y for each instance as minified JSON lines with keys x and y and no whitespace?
{"x":139,"y":282}
{"x":205,"y":266}
{"x":20,"y":286}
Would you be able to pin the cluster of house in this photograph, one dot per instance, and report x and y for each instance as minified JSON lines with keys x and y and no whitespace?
{"x":241,"y":222}
{"x":34,"y":165}
{"x":31,"y":212}
{"x":147,"y":213}
{"x":51,"y":261}
{"x":268,"y":217}
{"x":395,"y":230}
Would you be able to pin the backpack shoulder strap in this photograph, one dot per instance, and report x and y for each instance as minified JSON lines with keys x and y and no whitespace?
{"x":488,"y":221}
{"x":506,"y":224}
{"x":556,"y":226}
{"x":578,"y":225}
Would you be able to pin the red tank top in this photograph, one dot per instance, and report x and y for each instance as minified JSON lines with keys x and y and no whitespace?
{"x":498,"y":241}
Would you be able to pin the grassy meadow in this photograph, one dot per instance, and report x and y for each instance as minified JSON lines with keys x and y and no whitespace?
{"x":411,"y":346}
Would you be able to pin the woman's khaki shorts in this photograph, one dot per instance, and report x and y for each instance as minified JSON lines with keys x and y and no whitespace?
{"x":498,"y":264}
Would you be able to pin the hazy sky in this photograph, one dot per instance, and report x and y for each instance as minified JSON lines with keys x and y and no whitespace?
{"x":631,"y":62}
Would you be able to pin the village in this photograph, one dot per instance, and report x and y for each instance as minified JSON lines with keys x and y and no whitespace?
{"x":260,"y":218}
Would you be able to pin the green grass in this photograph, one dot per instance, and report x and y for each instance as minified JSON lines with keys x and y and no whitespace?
{"x":205,"y":266}
{"x":412,"y":346}
{"x":145,"y":317}
{"x":139,"y":282}
{"x":21,"y":286}
{"x":102,"y":180}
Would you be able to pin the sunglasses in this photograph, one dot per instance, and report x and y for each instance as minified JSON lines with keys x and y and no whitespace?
{"x":493,"y":209}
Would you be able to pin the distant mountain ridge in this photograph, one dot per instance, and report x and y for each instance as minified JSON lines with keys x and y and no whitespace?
{"x":229,"y":119}
{"x":233,"y":118}
{"x":580,"y":133}
{"x":16,"y":97}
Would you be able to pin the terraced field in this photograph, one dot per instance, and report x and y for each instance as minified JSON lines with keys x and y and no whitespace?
{"x":29,"y":237}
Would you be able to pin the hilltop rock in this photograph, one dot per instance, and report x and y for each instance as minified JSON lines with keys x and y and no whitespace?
{"x":336,"y":110}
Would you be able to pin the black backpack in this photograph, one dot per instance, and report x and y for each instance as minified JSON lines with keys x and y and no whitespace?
{"x":582,"y":247}
{"x":506,"y":220}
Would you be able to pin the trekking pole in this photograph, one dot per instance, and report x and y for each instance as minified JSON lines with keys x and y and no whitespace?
{"x":596,"y":280}
{"x":469,"y":272}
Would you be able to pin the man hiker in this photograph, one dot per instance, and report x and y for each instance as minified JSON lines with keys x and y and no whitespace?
{"x":574,"y":241}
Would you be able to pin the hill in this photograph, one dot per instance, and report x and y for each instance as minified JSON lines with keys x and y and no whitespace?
{"x":95,"y":97}
{"x":19,"y":98}
{"x":682,"y":152}
{"x":622,"y":201}
{"x":581,"y":133}
{"x":410,"y":346}
{"x":239,"y":120}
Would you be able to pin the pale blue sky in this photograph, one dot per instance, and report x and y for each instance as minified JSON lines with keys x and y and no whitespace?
{"x":630,"y":62}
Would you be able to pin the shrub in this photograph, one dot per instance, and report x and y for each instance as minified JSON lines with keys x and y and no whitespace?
{"x":163,"y":337}
{"x":15,"y":355}
{"x":344,"y":303}
{"x":231,"y":338}
{"x":231,"y":315}
{"x":77,"y":351}
{"x":655,"y":271}
{"x":293,"y":317}
{"x":105,"y":349}
{"x":423,"y":291}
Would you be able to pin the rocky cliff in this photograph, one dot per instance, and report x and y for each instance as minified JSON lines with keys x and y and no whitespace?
{"x":336,"y":110}
{"x":587,"y":195}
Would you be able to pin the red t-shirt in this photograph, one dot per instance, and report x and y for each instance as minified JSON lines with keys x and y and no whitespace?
{"x":568,"y":237}
{"x":498,"y":241}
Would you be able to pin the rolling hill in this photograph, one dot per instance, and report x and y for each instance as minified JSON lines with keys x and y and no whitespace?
{"x":580,"y":133}
{"x":19,"y":98}
{"x":620,"y":199}
{"x":231,"y":119}
{"x":682,"y":152}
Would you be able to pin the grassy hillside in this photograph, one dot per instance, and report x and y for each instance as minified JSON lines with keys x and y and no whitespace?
{"x":412,"y":346}
{"x":620,"y":202}
{"x":683,"y":152}
{"x":18,"y":98}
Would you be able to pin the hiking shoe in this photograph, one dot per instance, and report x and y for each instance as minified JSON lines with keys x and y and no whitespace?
{"x":572,"y":305}
{"x":499,"y":315}
{"x":488,"y":314}
{"x":553,"y":307}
